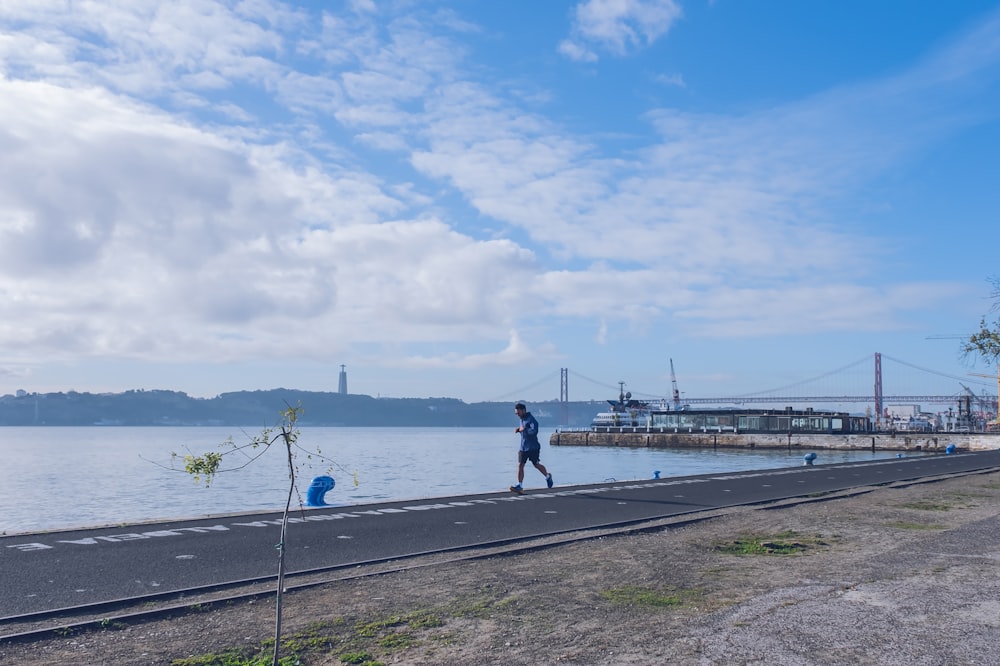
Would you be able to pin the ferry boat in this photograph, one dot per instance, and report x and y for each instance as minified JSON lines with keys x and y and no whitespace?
{"x":629,"y":415}
{"x":624,"y":412}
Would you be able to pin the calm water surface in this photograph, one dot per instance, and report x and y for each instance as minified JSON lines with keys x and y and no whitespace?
{"x":68,"y":477}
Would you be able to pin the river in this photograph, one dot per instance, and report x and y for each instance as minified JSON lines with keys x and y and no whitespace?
{"x":55,"y":478}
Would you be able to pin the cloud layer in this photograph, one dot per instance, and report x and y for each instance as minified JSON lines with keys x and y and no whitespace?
{"x":216,"y":181}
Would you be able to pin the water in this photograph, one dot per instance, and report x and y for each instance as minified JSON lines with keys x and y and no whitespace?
{"x":70,"y":477}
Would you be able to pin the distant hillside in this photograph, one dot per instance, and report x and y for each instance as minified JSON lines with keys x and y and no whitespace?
{"x":261,"y":408}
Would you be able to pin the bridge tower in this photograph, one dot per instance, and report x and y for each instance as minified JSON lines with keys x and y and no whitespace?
{"x":563,"y":396}
{"x":878,"y":390}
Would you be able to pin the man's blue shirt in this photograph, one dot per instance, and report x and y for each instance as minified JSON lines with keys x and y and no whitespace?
{"x":529,"y":433}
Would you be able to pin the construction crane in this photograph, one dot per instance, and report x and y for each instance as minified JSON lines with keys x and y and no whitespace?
{"x":673,"y":385}
{"x":977,"y":374}
{"x":996,"y":421}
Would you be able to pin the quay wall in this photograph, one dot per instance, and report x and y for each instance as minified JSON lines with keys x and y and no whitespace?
{"x":641,"y":438}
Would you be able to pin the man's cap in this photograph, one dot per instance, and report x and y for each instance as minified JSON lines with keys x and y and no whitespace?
{"x":520,"y":405}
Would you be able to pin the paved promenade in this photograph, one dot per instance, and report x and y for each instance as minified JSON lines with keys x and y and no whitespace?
{"x":51,"y":570}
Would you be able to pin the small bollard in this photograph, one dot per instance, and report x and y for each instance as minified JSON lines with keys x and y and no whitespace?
{"x":656,"y":473}
{"x":899,"y":455}
{"x":808,"y":458}
{"x":317,"y":489}
{"x":950,"y":448}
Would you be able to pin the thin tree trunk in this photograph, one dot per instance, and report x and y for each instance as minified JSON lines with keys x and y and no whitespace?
{"x":281,"y":547}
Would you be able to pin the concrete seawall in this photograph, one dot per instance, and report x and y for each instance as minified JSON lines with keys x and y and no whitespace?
{"x":862,"y":441}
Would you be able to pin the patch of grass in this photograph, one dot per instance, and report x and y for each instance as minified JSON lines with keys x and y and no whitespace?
{"x":235,"y":657}
{"x":482,"y":605}
{"x":109,"y":624}
{"x":903,"y":525}
{"x":783,"y":543}
{"x":376,"y":627}
{"x":642,"y":597}
{"x":479,"y":609}
{"x":446,"y":638}
{"x":927,"y":505}
{"x":360,"y":658}
{"x":316,"y":638}
{"x":507,"y":603}
{"x":424,"y":620}
{"x":200,"y":608}
{"x":397,"y":640}
{"x":353,"y":640}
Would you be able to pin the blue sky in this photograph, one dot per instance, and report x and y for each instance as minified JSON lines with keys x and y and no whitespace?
{"x":458,"y":198}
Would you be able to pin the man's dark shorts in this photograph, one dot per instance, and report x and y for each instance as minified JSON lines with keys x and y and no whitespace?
{"x":525,"y":456}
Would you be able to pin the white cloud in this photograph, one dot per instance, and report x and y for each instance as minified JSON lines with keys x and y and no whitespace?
{"x":676,"y":80}
{"x":516,"y":352}
{"x":575,"y":51}
{"x":160,"y":223}
{"x":208,"y":181}
{"x":618,"y":26}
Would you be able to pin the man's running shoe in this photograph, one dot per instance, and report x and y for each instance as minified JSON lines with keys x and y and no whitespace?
{"x":517,"y":490}
{"x":548,"y":480}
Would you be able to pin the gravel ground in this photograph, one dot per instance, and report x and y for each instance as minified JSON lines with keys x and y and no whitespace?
{"x":898,"y":575}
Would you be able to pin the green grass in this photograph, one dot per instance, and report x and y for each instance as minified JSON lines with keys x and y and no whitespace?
{"x":397,"y":640}
{"x":903,"y":525}
{"x":109,"y":624}
{"x":480,"y":603}
{"x":360,"y":658}
{"x":642,"y":597}
{"x":234,"y":657}
{"x":784,"y":543}
{"x":423,"y":620}
{"x":356,"y":641}
{"x":927,"y":505}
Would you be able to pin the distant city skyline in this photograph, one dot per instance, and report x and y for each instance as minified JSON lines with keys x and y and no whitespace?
{"x":458,"y":199}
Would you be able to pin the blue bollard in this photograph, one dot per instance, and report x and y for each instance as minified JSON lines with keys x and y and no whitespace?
{"x":317,"y":489}
{"x":656,"y":473}
{"x":950,"y":448}
{"x":808,"y":458}
{"x":899,"y":455}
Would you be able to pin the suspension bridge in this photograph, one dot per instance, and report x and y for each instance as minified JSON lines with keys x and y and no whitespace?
{"x":859,"y":382}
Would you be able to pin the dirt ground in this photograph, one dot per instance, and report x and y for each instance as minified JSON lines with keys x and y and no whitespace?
{"x":898,"y":575}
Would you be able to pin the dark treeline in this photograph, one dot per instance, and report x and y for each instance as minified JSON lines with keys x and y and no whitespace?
{"x":262,"y":408}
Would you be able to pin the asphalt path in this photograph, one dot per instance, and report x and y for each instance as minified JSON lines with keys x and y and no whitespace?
{"x":62,"y":569}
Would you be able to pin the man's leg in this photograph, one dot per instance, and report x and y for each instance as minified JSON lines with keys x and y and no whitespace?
{"x":520,"y":473}
{"x":548,"y":477}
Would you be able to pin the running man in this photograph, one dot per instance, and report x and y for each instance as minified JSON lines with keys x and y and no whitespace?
{"x":530,"y":447}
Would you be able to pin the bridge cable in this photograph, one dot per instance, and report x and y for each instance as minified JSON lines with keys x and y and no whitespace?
{"x":806,"y":381}
{"x":518,"y":393}
{"x":935,"y":372}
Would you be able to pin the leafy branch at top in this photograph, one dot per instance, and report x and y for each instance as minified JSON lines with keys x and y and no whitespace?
{"x":986,"y":341}
{"x":205,"y":466}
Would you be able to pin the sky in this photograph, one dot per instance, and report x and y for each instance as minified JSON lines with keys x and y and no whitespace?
{"x":455,"y":198}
